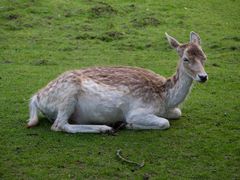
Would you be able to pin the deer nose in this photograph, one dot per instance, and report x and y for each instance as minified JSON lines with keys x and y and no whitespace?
{"x":203,"y":77}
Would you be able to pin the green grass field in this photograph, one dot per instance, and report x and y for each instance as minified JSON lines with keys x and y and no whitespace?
{"x":41,"y":39}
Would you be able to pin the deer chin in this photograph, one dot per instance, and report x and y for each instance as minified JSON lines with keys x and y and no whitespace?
{"x":198,"y":80}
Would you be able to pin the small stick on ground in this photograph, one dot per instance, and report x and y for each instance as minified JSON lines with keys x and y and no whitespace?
{"x":139,"y":165}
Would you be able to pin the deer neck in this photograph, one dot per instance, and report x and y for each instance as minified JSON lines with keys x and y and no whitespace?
{"x":178,"y":87}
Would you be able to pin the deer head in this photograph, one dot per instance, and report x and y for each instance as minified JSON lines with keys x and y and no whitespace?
{"x":192,"y":57}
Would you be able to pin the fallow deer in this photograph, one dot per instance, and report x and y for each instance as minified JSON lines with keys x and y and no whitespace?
{"x":90,"y":100}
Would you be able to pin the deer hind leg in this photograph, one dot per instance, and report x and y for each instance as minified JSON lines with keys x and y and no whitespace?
{"x":147,"y":121}
{"x":61,"y":124}
{"x":174,"y":113}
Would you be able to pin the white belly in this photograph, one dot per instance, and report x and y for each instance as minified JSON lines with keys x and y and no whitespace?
{"x":100,"y":105}
{"x":97,"y":112}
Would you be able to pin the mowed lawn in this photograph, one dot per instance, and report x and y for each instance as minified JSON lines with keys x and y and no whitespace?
{"x":41,"y":39}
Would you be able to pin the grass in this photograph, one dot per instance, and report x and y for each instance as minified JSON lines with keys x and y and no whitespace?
{"x":41,"y":39}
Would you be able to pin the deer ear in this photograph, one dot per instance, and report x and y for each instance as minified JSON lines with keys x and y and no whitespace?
{"x":194,"y":38}
{"x":172,"y":41}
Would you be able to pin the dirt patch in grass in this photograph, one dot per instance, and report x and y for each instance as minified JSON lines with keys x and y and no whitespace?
{"x":68,"y":48}
{"x":86,"y":27}
{"x":71,"y":13}
{"x":145,"y":21}
{"x":231,"y":48}
{"x":214,"y":46}
{"x":12,"y":16}
{"x":130,"y":8}
{"x":111,"y":36}
{"x":227,"y":47}
{"x":133,"y":46}
{"x":108,"y":36}
{"x":85,"y":36}
{"x":28,"y":25}
{"x":234,"y":48}
{"x":102,"y":9}
{"x":42,"y":62}
{"x":7,"y":62}
{"x":215,"y":65}
{"x":234,"y":38}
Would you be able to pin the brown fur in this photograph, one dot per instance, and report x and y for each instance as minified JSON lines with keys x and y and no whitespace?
{"x":140,"y":82}
{"x":194,"y":51}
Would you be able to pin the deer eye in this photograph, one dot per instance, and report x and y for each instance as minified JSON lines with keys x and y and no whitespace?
{"x":185,"y":59}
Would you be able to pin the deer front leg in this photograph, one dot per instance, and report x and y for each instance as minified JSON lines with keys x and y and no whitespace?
{"x":147,"y":121}
{"x":70,"y":128}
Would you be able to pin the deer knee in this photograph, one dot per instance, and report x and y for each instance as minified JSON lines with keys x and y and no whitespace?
{"x":164,"y":124}
{"x":174,"y":113}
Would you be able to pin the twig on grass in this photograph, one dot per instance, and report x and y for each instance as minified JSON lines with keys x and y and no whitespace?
{"x":139,"y":165}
